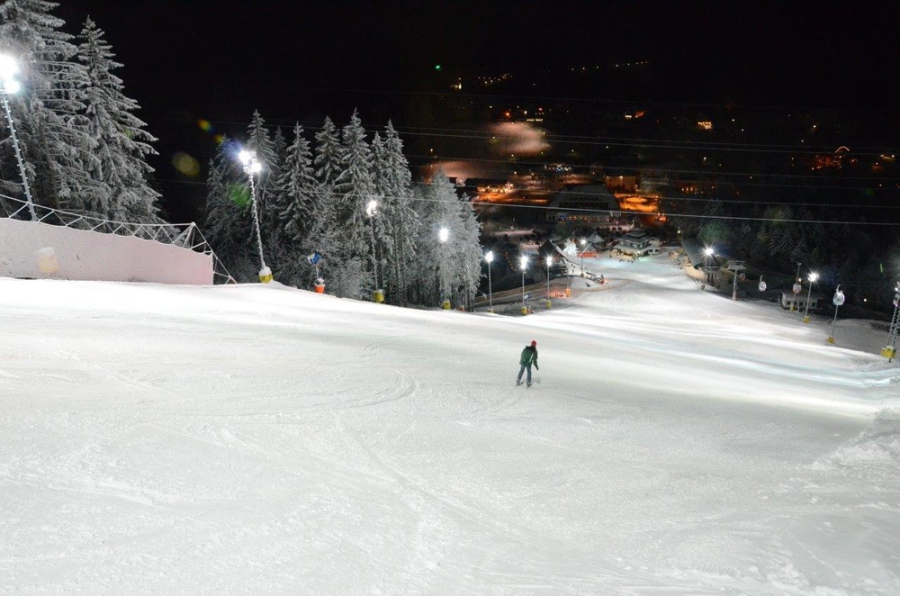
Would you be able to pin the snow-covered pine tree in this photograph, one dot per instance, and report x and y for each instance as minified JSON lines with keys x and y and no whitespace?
{"x":279,"y":144}
{"x":460,"y":256}
{"x":49,"y":123}
{"x":279,"y":149}
{"x":328,"y":155}
{"x":403,"y":214}
{"x":469,"y":253}
{"x":122,"y":144}
{"x":425,"y":272}
{"x":325,"y":235}
{"x":437,"y":267}
{"x":297,"y":191}
{"x":343,"y":273}
{"x":354,"y":189}
{"x":401,"y":222}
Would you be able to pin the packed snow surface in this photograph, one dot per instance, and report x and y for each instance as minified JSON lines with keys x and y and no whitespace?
{"x":258,"y":439}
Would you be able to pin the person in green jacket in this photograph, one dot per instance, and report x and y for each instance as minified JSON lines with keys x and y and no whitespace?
{"x":528,"y":357}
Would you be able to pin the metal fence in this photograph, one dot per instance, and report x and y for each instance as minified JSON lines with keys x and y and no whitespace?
{"x":183,"y":235}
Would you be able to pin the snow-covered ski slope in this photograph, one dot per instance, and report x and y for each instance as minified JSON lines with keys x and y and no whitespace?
{"x":263,"y":440}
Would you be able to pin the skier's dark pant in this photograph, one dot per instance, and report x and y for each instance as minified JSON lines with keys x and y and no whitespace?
{"x":522,"y":370}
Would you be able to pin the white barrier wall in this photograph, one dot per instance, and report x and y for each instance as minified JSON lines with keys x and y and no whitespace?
{"x":37,"y":250}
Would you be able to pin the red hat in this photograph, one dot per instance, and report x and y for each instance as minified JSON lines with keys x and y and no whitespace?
{"x":534,"y":343}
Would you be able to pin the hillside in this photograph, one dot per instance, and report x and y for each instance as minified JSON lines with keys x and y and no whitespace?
{"x":265,"y":440}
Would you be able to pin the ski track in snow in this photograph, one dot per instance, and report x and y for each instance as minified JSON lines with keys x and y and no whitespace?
{"x":258,"y":439}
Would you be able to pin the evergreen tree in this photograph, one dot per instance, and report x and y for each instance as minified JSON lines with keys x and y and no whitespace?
{"x":393,"y":182}
{"x":354,"y":186}
{"x":328,"y":155}
{"x":324,"y":233}
{"x":456,"y":263}
{"x":50,"y":124}
{"x":279,"y":144}
{"x":122,"y":144}
{"x":346,"y":236}
{"x":469,"y":254}
{"x":297,"y":190}
{"x":428,"y":269}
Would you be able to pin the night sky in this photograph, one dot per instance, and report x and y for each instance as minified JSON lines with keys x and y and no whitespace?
{"x":220,"y":60}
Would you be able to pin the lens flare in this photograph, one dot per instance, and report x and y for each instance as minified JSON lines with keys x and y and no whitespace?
{"x":239,"y":194}
{"x":185,"y":164}
{"x":204,"y":125}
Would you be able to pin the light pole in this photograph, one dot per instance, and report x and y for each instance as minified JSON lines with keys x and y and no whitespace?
{"x":797,"y":287}
{"x":736,"y":268}
{"x":890,"y":350}
{"x":583,"y":248}
{"x":707,"y":252}
{"x":812,"y":279}
{"x":253,"y":166}
{"x":838,"y":300}
{"x":443,"y":235}
{"x":549,"y":263}
{"x":489,"y":257}
{"x":8,"y":86}
{"x":523,"y":264}
{"x":371,"y":211}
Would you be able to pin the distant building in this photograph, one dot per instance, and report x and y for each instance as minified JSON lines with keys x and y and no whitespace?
{"x":621,"y":182}
{"x":478,"y":186}
{"x":798,"y":301}
{"x":588,"y":204}
{"x":653,"y":181}
{"x":635,"y":242}
{"x":834,"y":161}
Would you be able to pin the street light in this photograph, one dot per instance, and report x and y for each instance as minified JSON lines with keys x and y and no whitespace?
{"x":583,"y":248}
{"x":812,"y":279}
{"x":9,"y":86}
{"x":371,"y":211}
{"x":253,"y":166}
{"x":549,"y":263}
{"x":707,"y":252}
{"x":797,"y":287}
{"x":838,"y":300}
{"x":489,"y":257}
{"x":443,"y":235}
{"x":523,"y":264}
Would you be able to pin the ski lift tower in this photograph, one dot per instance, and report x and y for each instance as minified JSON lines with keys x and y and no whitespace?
{"x":736,"y":268}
